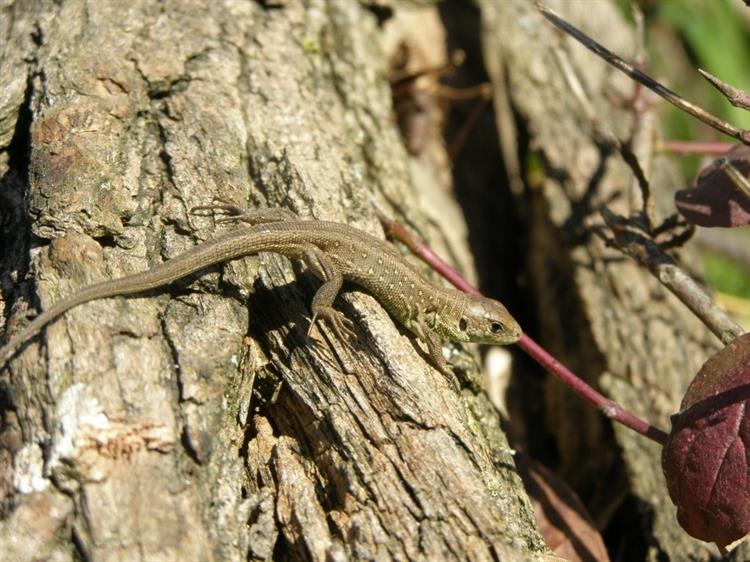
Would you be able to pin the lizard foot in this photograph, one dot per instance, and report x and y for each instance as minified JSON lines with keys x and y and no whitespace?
{"x":231,"y":212}
{"x":340,"y":324}
{"x":218,"y":206}
{"x":445,"y":369}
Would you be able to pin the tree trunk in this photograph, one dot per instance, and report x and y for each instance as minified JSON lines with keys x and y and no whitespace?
{"x":598,"y":312}
{"x":200,"y":422}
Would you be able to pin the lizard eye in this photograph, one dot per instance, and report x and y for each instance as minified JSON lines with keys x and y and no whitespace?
{"x":496,"y":327}
{"x":462,"y":324}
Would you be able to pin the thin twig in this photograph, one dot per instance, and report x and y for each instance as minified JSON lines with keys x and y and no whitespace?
{"x":738,"y":180}
{"x":635,"y":243}
{"x":641,"y":181}
{"x":669,"y":95}
{"x":735,"y":96}
{"x":608,"y":407}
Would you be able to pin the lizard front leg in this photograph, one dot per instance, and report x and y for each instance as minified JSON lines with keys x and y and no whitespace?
{"x":434,"y":348}
{"x":322,"y":304}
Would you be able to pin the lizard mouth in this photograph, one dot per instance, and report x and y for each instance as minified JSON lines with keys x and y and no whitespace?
{"x":508,"y":335}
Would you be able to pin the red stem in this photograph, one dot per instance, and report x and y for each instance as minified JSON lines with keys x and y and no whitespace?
{"x":689,"y":147}
{"x":606,"y":406}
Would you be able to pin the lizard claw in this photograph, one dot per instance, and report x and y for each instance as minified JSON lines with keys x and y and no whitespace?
{"x":225,"y":211}
{"x":219,"y":206}
{"x":340,"y":324}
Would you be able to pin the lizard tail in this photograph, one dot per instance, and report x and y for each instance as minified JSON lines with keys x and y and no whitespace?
{"x":225,"y":248}
{"x":98,"y":291}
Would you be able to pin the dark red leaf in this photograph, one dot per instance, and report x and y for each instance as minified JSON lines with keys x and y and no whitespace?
{"x":715,"y":201}
{"x":706,"y":459}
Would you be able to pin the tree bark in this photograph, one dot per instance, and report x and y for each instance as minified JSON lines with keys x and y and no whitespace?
{"x":200,"y":422}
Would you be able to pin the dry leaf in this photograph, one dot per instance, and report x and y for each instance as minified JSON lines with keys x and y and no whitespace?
{"x":562,"y":519}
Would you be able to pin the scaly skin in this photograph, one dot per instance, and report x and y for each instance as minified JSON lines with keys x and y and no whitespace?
{"x":334,"y":252}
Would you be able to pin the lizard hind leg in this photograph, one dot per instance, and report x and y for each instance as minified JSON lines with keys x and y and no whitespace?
{"x":322,"y":304}
{"x":231,"y":212}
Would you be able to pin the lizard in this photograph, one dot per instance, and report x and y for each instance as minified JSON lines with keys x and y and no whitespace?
{"x":333,"y":252}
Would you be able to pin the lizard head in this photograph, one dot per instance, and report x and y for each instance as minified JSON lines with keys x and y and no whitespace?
{"x":478,"y":320}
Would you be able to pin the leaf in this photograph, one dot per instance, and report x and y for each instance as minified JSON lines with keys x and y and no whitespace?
{"x":716,"y":201}
{"x":706,"y":459}
{"x":563,"y":521}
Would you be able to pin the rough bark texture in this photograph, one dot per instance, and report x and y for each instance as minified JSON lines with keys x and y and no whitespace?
{"x":597,"y":311}
{"x":201,"y":423}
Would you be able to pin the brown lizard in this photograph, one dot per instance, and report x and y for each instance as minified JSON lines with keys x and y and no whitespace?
{"x":334,"y":252}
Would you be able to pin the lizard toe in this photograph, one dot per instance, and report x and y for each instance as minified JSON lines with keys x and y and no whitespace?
{"x":340,"y":324}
